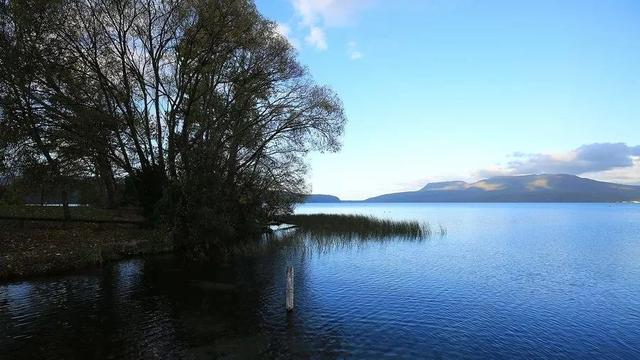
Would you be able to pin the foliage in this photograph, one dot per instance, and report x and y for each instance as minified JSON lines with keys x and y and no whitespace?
{"x":200,"y":104}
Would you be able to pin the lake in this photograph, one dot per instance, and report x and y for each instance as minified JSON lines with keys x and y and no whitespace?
{"x":509,"y":281}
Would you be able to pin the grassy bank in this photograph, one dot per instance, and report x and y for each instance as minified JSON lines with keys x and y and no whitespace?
{"x":29,"y":248}
{"x":77,"y":213}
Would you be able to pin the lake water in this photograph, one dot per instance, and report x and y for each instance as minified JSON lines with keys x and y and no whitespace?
{"x":510,"y":281}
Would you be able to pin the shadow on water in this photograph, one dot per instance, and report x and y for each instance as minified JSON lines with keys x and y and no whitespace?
{"x":324,"y":233}
{"x":512,"y":282}
{"x":170,"y":307}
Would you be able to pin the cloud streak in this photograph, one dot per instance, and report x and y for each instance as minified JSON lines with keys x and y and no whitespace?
{"x":317,"y":38}
{"x":599,"y":160}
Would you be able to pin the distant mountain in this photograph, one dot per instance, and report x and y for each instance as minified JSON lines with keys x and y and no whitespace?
{"x":446,"y":185}
{"x":318,"y":198}
{"x":528,"y":188}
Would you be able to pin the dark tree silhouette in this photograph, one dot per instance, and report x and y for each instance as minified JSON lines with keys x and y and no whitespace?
{"x":201,"y":103}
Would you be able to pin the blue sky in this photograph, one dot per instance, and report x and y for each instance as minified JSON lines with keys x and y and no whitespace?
{"x":461,"y":89}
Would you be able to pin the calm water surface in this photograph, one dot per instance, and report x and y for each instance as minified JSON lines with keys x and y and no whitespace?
{"x":507,"y":281}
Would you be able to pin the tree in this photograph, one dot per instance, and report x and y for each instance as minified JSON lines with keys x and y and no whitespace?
{"x":200,"y":102}
{"x":30,"y":122}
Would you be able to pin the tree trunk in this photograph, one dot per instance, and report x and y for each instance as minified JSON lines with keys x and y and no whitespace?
{"x":111,"y":198}
{"x":105,"y":172}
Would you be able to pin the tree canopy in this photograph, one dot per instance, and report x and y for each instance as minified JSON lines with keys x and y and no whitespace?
{"x":201,"y":104}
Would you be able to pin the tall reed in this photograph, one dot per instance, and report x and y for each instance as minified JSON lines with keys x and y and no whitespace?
{"x":320,"y":233}
{"x":360,"y":226}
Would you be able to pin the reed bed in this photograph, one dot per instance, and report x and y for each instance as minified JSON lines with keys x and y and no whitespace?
{"x":358,"y":226}
{"x":322,"y":233}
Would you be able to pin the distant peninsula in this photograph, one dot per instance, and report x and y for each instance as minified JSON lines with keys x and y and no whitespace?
{"x":319,"y":198}
{"x":525,"y":188}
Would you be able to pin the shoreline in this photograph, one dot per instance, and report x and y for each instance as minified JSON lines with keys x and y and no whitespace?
{"x":48,"y":249}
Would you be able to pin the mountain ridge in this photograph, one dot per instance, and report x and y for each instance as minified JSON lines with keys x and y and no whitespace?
{"x":519,"y":188}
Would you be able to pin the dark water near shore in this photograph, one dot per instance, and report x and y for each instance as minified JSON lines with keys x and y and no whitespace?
{"x":507,"y":281}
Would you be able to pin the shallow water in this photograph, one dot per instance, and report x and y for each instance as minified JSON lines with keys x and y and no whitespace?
{"x":507,"y":281}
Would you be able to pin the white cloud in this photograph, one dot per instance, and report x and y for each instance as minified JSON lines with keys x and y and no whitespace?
{"x":285,"y":31}
{"x":328,"y":12}
{"x":316,"y":15}
{"x":621,"y":175}
{"x":317,"y":38}
{"x":611,"y":162}
{"x":491,"y":171}
{"x":616,"y":162}
{"x":354,"y":53}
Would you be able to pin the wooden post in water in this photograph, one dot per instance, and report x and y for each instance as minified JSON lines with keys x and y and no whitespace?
{"x":289,"y":297}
